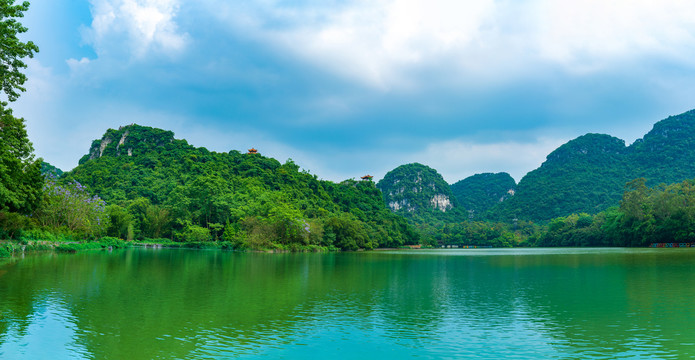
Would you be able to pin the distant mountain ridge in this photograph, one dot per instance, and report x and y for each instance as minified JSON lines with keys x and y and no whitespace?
{"x":667,"y":152}
{"x":588,"y":174}
{"x":585,"y":175}
{"x":48,"y":169}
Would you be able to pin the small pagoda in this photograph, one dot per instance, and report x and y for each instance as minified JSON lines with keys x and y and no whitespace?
{"x":367,"y":177}
{"x":253,"y":151}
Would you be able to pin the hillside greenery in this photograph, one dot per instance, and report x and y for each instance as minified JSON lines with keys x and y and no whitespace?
{"x":420,"y":194}
{"x":661,"y":214}
{"x":477,"y":194}
{"x":157,"y":186}
{"x":665,"y":154}
{"x":140,"y":183}
{"x":588,"y":174}
{"x":48,"y":169}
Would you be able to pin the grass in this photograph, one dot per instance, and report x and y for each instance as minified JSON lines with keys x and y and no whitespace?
{"x":69,"y":245}
{"x":24,"y":245}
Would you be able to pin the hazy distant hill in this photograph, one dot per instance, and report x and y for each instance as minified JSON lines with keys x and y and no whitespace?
{"x":48,"y":169}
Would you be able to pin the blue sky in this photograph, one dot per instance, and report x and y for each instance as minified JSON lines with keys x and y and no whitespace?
{"x":347,"y":88}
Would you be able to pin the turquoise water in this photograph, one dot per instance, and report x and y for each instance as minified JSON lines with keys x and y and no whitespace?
{"x":423,"y":304}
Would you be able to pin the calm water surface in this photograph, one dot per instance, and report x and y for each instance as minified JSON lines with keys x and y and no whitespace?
{"x":429,"y":304}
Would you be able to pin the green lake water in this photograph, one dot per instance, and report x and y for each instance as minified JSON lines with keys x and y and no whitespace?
{"x":428,"y":304}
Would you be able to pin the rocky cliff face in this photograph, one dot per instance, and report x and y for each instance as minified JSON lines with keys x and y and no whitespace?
{"x":132,"y":140}
{"x":416,"y":189}
{"x":441,"y":202}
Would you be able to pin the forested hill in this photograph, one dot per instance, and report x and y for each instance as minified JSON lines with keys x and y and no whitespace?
{"x":479,"y":193}
{"x":585,"y":175}
{"x":667,"y":153}
{"x":588,"y":174}
{"x":48,"y":169}
{"x":418,"y":192}
{"x":159,"y":186}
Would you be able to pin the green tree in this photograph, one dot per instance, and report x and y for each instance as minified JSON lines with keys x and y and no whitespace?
{"x":194,"y":233}
{"x":20,"y":175}
{"x":12,"y":50}
{"x":119,"y":221}
{"x":157,"y":221}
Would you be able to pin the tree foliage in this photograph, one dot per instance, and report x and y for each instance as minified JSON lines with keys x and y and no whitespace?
{"x":48,"y":169}
{"x":13,"y":50}
{"x":20,"y":174}
{"x":479,"y":193}
{"x":20,"y":181}
{"x":584,"y":175}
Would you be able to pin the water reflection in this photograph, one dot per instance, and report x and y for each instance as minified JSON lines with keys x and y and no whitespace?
{"x":523,"y":303}
{"x":49,"y":330}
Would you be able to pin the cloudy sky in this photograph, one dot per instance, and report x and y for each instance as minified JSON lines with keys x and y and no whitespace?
{"x":351,"y":87}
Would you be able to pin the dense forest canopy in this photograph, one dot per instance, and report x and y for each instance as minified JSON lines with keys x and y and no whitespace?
{"x":139,"y":183}
{"x":586,"y":174}
{"x":479,"y":193}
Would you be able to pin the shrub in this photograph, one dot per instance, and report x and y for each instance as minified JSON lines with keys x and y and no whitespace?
{"x":11,"y":224}
{"x":72,"y":208}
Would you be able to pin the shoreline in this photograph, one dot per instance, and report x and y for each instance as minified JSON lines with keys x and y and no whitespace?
{"x":10,"y":248}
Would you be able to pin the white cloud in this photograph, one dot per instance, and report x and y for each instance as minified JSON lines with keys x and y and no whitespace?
{"x":147,"y":25}
{"x":75,"y":64}
{"x":590,"y":34}
{"x":385,"y":43}
{"x":371,"y":41}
